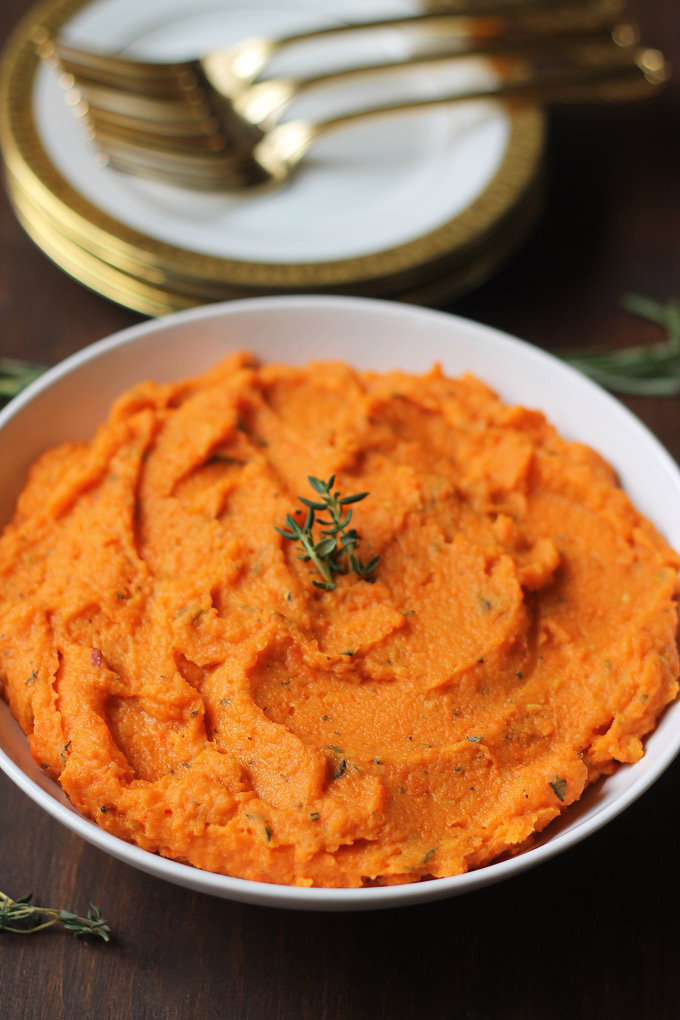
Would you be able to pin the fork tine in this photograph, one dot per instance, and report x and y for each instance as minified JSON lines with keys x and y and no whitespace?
{"x":163,"y":119}
{"x":210,"y":168}
{"x":162,"y":111}
{"x":163,"y":136}
{"x":123,"y":67}
{"x":166,"y":134}
{"x":129,"y":74}
{"x":176,"y":179}
{"x":154,"y":88}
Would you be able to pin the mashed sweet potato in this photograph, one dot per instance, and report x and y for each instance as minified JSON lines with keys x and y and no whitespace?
{"x":177,"y":670}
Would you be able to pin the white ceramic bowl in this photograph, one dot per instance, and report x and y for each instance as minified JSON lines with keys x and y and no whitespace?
{"x":71,"y":399}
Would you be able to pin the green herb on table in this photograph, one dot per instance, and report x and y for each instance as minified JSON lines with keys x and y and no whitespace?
{"x":335,"y":552}
{"x":22,"y":918}
{"x":15,"y":375}
{"x":652,"y":370}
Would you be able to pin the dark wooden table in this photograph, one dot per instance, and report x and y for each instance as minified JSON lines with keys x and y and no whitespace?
{"x":593,"y":933}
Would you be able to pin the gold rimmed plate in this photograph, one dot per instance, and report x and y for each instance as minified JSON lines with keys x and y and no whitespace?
{"x":366,"y":214}
{"x":152,"y":290}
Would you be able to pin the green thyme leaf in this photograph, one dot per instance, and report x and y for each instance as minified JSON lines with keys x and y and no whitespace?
{"x":21,"y":918}
{"x":334,"y":552}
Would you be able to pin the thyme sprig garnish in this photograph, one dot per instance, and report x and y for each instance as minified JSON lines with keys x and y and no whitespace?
{"x":652,"y":370}
{"x":22,"y":918}
{"x":335,"y":552}
{"x":15,"y":375}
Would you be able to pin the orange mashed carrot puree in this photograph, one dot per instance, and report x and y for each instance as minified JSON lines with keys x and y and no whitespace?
{"x":174,"y":666}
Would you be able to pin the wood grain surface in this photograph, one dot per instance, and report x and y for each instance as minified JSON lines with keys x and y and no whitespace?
{"x":591,"y":934}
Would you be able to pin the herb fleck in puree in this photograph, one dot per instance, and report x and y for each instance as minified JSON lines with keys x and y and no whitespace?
{"x":173,"y":664}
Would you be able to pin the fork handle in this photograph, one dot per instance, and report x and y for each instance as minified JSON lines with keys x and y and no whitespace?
{"x":246,"y":61}
{"x":545,"y":13}
{"x":642,"y":75}
{"x":264,"y":101}
{"x":508,"y":12}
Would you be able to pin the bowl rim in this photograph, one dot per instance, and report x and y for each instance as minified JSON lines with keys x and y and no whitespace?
{"x":291,"y":897}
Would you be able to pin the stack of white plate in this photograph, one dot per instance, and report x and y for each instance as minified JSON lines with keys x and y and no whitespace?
{"x":419,"y":208}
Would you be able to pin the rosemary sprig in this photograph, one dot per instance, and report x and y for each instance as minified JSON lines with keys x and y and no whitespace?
{"x":15,"y":375}
{"x":22,"y":918}
{"x":649,"y":370}
{"x":335,"y":552}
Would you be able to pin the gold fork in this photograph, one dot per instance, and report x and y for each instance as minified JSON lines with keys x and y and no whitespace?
{"x":214,"y":102}
{"x":239,"y":123}
{"x":156,"y":103}
{"x":230,"y":70}
{"x":274,"y":158}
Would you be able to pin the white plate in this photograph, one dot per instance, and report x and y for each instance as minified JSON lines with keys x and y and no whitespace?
{"x":360,"y":191}
{"x":69,"y":401}
{"x":413,"y":189}
{"x":380,"y":209}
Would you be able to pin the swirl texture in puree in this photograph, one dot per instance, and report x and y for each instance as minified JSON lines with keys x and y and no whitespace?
{"x":174,"y":666}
